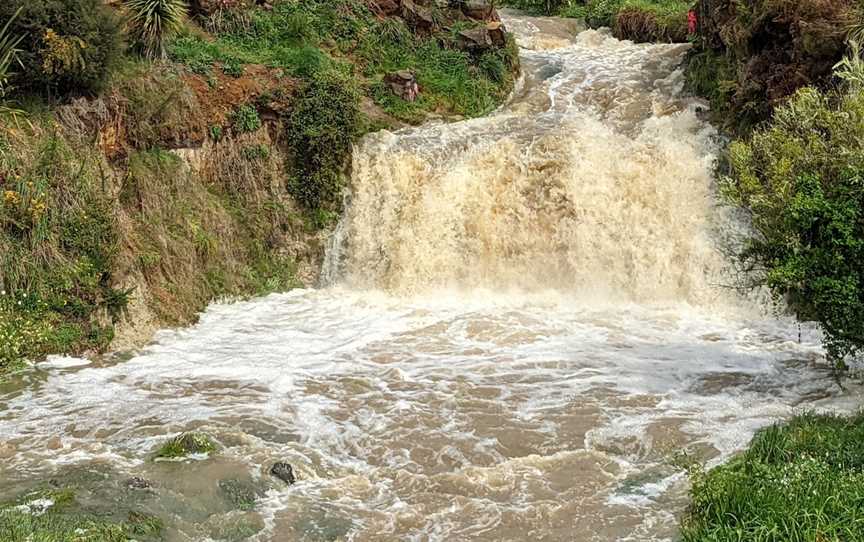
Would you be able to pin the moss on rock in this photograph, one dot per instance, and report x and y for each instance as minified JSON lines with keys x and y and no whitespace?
{"x":185,"y":445}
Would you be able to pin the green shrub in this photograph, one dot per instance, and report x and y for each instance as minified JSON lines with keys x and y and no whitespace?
{"x":321,"y":130}
{"x":246,"y":119}
{"x":802,"y":180}
{"x":69,"y":46}
{"x":152,"y":22}
{"x":801,"y":481}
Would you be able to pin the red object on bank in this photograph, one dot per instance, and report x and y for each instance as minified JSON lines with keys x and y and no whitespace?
{"x":692,"y":22}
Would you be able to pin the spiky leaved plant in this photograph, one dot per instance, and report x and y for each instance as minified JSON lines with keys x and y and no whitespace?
{"x":8,"y":54}
{"x":8,"y":57}
{"x":152,"y":22}
{"x":851,"y":68}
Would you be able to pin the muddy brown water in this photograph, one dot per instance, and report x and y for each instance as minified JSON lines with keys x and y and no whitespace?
{"x":526,"y":319}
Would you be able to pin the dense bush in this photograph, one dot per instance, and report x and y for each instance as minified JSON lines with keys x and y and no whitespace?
{"x":802,"y":180}
{"x":321,"y":129}
{"x":69,"y":46}
{"x":803,"y":481}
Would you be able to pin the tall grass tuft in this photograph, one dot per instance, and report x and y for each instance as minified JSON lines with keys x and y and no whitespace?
{"x":152,"y":22}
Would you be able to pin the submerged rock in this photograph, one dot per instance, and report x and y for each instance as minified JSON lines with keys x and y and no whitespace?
{"x":241,"y":494}
{"x":284,"y":471}
{"x":185,"y":445}
{"x":137,"y":482}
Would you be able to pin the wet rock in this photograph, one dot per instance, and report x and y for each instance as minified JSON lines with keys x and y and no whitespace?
{"x":239,"y":493}
{"x":235,"y":527}
{"x":284,"y":472}
{"x":137,"y":482}
{"x":403,"y":84}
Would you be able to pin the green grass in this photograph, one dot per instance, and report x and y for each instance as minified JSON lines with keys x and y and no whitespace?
{"x":57,"y":246}
{"x":64,"y":521}
{"x":344,"y":36}
{"x":185,"y":445}
{"x":798,"y":482}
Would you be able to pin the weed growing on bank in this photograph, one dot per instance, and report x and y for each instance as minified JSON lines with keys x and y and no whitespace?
{"x":800,"y":481}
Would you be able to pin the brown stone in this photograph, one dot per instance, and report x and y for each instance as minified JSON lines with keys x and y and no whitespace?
{"x":475,"y":40}
{"x":385,"y":7}
{"x":403,"y":84}
{"x":480,"y":10}
{"x":497,"y":33}
{"x":417,"y":17}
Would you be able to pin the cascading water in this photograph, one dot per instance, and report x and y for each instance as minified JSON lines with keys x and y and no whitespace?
{"x":527,"y":320}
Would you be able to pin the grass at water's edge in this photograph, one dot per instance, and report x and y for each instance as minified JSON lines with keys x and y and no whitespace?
{"x":798,"y":481}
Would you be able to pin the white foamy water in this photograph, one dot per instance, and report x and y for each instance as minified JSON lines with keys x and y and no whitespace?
{"x":527,"y":321}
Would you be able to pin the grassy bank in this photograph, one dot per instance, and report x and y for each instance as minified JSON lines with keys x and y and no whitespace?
{"x":801,"y":481}
{"x":133,"y":191}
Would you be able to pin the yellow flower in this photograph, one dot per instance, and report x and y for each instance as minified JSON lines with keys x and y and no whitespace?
{"x":11,"y":197}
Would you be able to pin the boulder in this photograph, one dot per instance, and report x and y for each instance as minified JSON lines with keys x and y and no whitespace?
{"x":474,"y":40}
{"x":497,"y":33}
{"x":480,"y":10}
{"x":283,"y":471}
{"x":241,"y":494}
{"x":403,"y":84}
{"x":385,"y":7}
{"x":418,"y":17}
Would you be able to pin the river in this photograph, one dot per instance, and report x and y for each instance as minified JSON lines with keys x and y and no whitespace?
{"x":526,"y":320}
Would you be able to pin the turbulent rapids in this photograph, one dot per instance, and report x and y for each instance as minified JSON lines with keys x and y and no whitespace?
{"x":527,"y":318}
